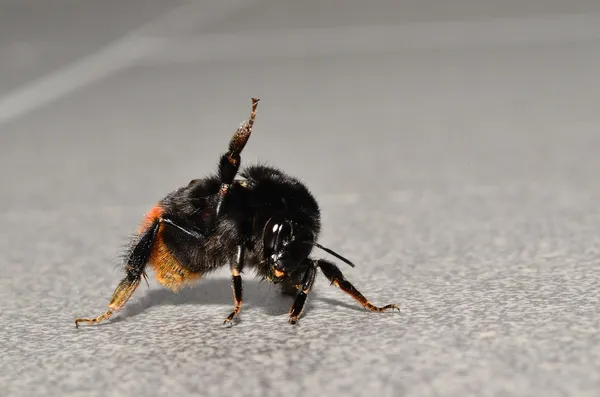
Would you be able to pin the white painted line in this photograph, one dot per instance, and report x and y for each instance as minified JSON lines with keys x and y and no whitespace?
{"x":370,"y":39}
{"x":67,"y":80}
{"x":117,"y":56}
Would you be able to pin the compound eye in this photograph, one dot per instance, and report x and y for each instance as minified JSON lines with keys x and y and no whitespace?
{"x":285,"y":232}
{"x":277,"y":235}
{"x":270,"y":236}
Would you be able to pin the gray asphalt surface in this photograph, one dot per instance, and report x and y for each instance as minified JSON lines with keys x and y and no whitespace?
{"x":454,"y":149}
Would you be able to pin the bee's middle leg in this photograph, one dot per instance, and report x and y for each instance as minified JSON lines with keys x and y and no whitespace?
{"x":236,"y":278}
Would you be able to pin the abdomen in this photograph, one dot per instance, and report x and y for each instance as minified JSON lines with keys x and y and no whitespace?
{"x":178,"y":254}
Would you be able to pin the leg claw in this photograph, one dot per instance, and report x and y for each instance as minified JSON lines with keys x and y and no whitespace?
{"x":229,"y":320}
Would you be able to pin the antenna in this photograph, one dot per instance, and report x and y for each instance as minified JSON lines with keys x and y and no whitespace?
{"x":332,"y":252}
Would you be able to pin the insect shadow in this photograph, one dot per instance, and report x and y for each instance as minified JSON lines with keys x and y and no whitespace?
{"x":218,"y":292}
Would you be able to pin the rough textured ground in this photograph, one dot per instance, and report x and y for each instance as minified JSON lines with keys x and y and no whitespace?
{"x":454,"y":149}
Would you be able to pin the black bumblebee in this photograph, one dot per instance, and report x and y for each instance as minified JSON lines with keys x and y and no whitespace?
{"x":266,"y":220}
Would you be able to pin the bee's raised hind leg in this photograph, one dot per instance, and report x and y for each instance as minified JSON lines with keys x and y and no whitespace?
{"x":230,"y":161}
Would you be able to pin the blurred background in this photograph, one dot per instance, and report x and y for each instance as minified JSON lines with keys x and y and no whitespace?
{"x":357,"y":97}
{"x":453,"y":146}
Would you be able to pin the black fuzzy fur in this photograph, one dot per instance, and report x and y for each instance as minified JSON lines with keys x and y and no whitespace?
{"x":211,"y":241}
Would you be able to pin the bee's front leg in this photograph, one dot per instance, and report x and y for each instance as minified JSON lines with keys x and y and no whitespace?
{"x":306,"y":285}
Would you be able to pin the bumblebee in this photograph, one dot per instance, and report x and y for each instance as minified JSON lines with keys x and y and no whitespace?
{"x":263,"y":220}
